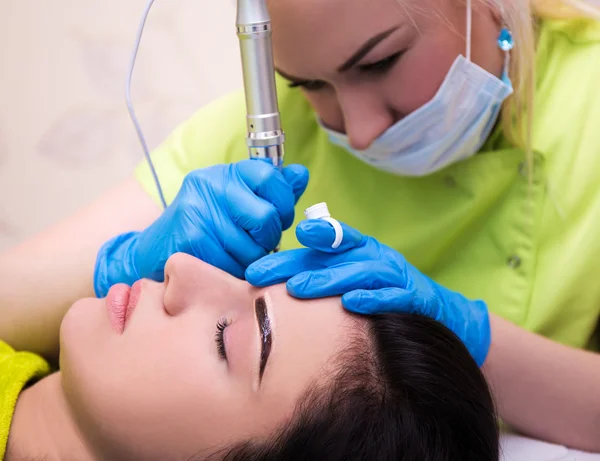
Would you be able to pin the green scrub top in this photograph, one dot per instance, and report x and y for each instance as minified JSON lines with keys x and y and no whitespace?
{"x":532,"y":253}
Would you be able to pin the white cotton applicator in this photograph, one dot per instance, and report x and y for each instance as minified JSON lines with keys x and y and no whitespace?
{"x":320,"y":211}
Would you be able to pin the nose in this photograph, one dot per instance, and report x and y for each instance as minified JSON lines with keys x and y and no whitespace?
{"x":366,"y":116}
{"x":190,"y":281}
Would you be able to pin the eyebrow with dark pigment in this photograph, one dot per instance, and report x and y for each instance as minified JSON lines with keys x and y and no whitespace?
{"x":355,"y":58}
{"x":264,"y":327}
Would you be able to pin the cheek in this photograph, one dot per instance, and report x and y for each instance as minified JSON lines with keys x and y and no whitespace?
{"x":420,"y":73}
{"x":327,"y":107}
{"x":84,"y":327}
{"x":139,"y":395}
{"x":160,"y":386}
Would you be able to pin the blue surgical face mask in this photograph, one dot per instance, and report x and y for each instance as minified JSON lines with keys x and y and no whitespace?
{"x":451,"y":127}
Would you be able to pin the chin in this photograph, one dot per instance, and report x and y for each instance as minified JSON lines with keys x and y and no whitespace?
{"x":78,"y":324}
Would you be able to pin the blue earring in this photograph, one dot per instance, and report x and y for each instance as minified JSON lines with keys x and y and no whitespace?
{"x":505,"y":40}
{"x":506,"y":43}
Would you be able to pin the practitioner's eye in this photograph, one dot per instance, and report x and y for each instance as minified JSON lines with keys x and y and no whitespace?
{"x":381,"y":67}
{"x":308,"y":85}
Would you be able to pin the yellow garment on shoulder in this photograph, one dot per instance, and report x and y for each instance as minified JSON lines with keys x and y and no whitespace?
{"x":532,"y":254}
{"x":16,"y":370}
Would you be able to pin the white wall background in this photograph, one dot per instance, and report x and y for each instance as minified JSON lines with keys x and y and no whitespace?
{"x":65,"y":134}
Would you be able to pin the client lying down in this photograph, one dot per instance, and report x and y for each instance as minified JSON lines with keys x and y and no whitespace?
{"x":206,"y":367}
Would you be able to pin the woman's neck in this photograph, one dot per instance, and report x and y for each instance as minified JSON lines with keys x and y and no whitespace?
{"x":43,"y":427}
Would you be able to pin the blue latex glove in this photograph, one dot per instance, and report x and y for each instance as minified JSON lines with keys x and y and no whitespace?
{"x":227,"y":215}
{"x":372,"y":278}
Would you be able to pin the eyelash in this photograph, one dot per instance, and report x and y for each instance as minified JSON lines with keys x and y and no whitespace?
{"x":219,"y":339}
{"x":376,"y":68}
{"x":382,"y":66}
{"x":308,"y":85}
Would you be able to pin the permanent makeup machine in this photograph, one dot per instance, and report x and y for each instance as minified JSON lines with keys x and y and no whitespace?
{"x":265,"y":138}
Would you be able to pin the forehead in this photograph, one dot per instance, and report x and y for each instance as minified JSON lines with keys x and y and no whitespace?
{"x":321,"y":34}
{"x":367,"y":14}
{"x":344,"y":25}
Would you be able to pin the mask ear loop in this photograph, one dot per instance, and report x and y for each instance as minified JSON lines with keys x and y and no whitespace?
{"x":469,"y":29}
{"x":451,"y":109}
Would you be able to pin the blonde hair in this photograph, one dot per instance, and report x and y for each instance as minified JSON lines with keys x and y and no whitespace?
{"x":520,"y":17}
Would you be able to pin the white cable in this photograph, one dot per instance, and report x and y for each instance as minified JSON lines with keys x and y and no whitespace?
{"x":130,"y":104}
{"x":469,"y":28}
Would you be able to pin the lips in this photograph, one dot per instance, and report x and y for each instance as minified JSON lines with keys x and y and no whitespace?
{"x":120,"y":303}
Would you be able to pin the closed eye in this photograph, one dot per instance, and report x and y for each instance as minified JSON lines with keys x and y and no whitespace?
{"x":308,"y":85}
{"x":220,"y":339}
{"x":382,"y":66}
{"x":376,"y":68}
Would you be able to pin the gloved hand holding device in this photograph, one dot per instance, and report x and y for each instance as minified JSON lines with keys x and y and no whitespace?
{"x":227,"y":215}
{"x":372,"y":278}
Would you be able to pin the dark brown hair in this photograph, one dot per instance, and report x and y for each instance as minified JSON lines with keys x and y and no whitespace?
{"x":407,"y":391}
